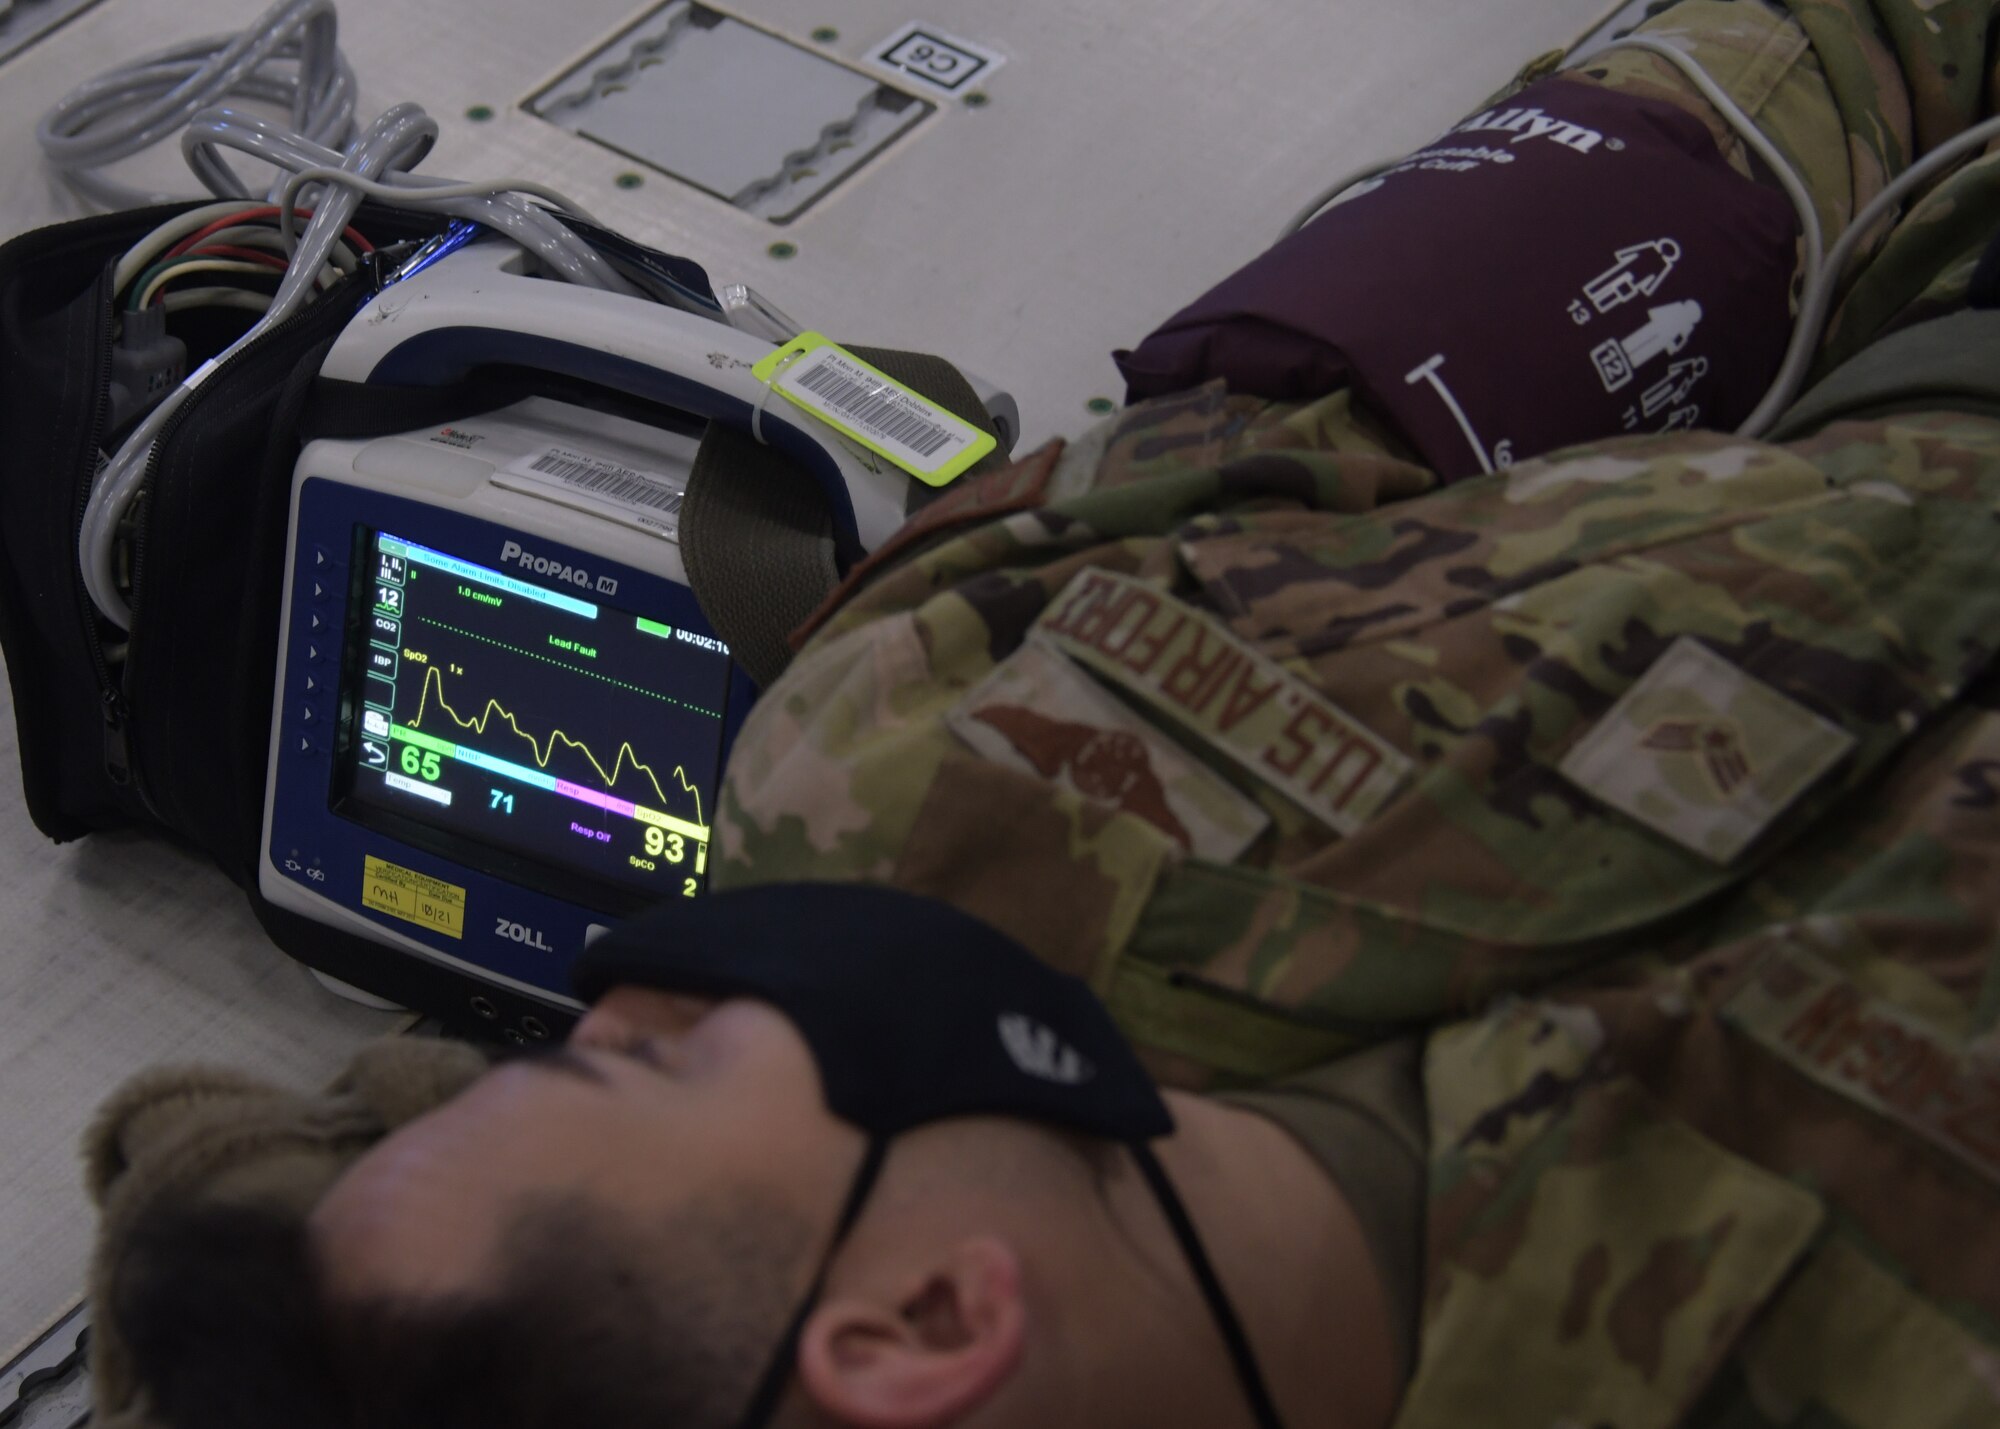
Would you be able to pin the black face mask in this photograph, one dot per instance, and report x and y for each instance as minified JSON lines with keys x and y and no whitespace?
{"x":915,"y":1013}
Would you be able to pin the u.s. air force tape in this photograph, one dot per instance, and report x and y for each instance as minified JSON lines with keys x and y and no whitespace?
{"x":1192,"y":669}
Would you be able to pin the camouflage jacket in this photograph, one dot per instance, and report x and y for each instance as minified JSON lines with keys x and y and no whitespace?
{"x":1659,"y":779}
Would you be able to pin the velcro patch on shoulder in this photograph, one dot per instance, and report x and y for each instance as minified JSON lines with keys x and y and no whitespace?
{"x":1803,"y":1010}
{"x":1038,"y":713}
{"x":1703,"y":753}
{"x":1228,"y":695}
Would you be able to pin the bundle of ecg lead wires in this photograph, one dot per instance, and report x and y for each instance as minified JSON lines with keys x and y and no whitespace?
{"x":237,"y":249}
{"x":272,"y":254}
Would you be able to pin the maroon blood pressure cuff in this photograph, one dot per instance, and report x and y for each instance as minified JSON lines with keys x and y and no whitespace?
{"x":1571,"y":265}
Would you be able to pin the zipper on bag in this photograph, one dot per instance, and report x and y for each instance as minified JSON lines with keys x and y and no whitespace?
{"x":111,"y":696}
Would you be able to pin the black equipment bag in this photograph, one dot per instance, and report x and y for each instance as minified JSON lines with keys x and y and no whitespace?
{"x":170,"y":727}
{"x":106,"y":733}
{"x":172,"y":730}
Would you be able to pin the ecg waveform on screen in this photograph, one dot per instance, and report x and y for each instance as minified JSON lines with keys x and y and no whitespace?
{"x":434,"y":684}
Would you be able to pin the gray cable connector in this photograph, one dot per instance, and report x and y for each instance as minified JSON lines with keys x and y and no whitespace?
{"x":146,"y":364}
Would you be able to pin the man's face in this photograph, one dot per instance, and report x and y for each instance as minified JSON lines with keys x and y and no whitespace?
{"x":655,"y":1099}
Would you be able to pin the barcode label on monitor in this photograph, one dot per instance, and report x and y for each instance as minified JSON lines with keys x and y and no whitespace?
{"x":601,"y":478}
{"x":594,"y":483}
{"x":915,"y":434}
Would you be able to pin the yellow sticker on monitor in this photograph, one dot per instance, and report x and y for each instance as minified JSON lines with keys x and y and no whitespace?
{"x":414,"y":897}
{"x":870,"y":407}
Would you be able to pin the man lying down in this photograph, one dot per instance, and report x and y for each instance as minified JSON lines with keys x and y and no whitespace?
{"x":1226,"y":925}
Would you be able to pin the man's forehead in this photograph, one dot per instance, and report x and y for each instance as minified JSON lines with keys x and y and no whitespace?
{"x":452,"y":1173}
{"x":418,"y":1213}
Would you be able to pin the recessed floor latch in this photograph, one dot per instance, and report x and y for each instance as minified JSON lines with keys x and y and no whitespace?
{"x":743,"y":114}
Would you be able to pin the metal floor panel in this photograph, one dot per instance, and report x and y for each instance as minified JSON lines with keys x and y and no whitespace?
{"x":23,"y":22}
{"x":1128,"y":155}
{"x":1124,"y":158}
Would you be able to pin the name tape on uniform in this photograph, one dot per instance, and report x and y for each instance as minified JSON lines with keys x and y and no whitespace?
{"x":870,"y":407}
{"x":1804,"y":1011}
{"x":1227,"y":694}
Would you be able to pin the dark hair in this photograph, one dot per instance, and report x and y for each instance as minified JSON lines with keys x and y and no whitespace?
{"x":226,"y":1316}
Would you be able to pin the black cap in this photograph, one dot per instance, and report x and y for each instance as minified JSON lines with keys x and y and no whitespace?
{"x":915,"y":1011}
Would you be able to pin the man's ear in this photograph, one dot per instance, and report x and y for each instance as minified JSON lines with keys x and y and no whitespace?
{"x":926,"y":1354}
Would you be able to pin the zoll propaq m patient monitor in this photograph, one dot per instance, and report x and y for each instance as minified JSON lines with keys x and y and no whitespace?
{"x":501,"y":718}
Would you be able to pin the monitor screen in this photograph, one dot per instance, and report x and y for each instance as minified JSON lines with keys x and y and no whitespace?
{"x":529,"y":729}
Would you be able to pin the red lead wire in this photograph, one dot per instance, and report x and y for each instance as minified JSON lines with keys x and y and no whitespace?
{"x":248,"y":255}
{"x":250,"y":215}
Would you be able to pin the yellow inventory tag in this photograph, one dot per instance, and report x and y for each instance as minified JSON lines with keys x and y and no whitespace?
{"x":872,"y":408}
{"x":414,"y":897}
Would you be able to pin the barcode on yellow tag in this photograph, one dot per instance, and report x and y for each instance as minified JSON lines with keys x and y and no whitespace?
{"x":874,"y":409}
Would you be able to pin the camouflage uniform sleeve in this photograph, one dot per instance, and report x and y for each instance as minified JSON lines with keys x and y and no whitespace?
{"x":1697,"y":794}
{"x":1909,"y":76}
{"x":1800,"y":1118}
{"x":1852,"y":92}
{"x":1736,"y":1165}
{"x":1666,"y":762}
{"x":1482,"y":631}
